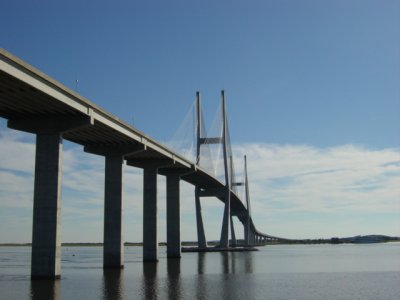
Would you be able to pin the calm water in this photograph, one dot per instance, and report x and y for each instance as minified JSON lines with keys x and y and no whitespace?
{"x":369,"y":271}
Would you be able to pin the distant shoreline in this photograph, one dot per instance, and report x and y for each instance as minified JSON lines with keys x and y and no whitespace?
{"x":89,"y":244}
{"x":349,"y":240}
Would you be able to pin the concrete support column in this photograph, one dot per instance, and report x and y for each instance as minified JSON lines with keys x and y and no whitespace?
{"x":246,"y":235}
{"x":113,"y":250}
{"x":224,"y":240}
{"x":201,"y":236}
{"x":46,"y":230}
{"x":173,"y":217}
{"x":150,"y":241}
{"x":233,"y":235}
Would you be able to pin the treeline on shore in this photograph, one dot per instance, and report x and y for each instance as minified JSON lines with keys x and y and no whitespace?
{"x":359,"y":239}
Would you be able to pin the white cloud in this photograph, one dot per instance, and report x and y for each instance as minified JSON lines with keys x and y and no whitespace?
{"x":296,"y":191}
{"x":292,"y":179}
{"x":17,"y":151}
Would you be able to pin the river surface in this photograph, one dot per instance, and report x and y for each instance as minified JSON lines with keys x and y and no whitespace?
{"x":368,"y":271}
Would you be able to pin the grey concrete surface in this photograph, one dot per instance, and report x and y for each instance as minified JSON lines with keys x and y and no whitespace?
{"x":150,"y":214}
{"x":173,"y":216}
{"x":113,"y":250}
{"x":46,"y":230}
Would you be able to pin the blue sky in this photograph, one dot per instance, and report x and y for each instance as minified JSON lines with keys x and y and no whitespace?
{"x":313,"y":80}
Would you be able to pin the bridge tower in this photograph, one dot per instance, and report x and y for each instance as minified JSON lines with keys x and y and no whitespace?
{"x":224,"y":240}
{"x":227,"y":224}
{"x":201,"y":237}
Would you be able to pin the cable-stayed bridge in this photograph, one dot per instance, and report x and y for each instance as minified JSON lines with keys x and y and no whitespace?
{"x":33,"y":102}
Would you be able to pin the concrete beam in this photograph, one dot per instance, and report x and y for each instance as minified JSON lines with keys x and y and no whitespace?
{"x":46,"y":230}
{"x":51,"y":125}
{"x":213,"y":192}
{"x":145,"y":163}
{"x":175,"y":169}
{"x":150,"y":241}
{"x":212,"y":140}
{"x":116,"y":150}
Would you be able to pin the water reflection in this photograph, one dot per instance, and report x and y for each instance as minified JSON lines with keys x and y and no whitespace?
{"x":235,"y":263}
{"x":45,"y":289}
{"x":279,"y":272}
{"x":248,"y":262}
{"x":201,"y":287}
{"x":225,"y":262}
{"x":174,"y":279}
{"x":113,"y":284}
{"x":196,"y":276}
{"x":200,"y":262}
{"x":149,"y":283}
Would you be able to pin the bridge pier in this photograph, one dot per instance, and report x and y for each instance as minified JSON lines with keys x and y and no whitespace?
{"x":247,"y":233}
{"x":233,"y":236}
{"x":150,"y":240}
{"x":201,"y":236}
{"x":46,"y":230}
{"x":173,"y":216}
{"x":113,"y":249}
{"x":224,"y":240}
{"x":46,"y":227}
{"x":113,"y":246}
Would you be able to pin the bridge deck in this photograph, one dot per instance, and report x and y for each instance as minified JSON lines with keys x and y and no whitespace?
{"x":28,"y":94}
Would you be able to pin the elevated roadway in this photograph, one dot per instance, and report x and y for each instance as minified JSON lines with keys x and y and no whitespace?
{"x":33,"y":102}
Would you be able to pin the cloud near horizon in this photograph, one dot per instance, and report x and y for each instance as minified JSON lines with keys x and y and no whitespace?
{"x":297,"y":191}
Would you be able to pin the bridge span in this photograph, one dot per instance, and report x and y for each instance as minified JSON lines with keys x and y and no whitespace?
{"x":33,"y":102}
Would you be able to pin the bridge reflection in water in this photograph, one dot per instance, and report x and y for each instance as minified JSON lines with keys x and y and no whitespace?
{"x":211,"y":280}
{"x":277,"y":272}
